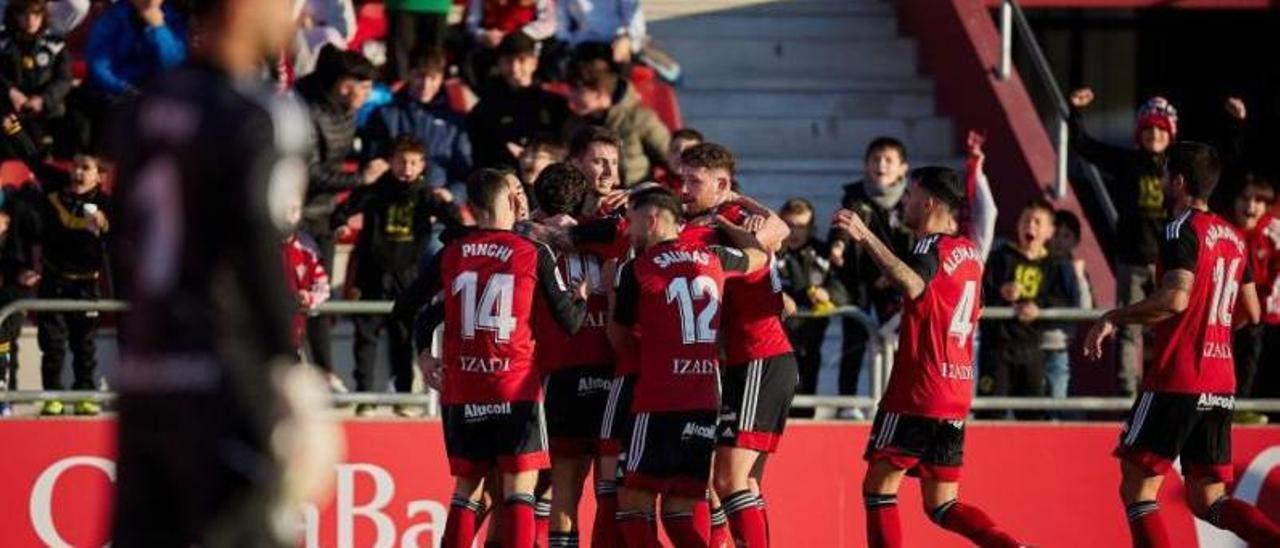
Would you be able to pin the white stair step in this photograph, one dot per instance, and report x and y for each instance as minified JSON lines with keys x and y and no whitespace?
{"x":808,"y":83}
{"x":790,"y":104}
{"x":888,"y":57}
{"x":826,"y":137}
{"x":658,"y":10}
{"x":736,"y":25}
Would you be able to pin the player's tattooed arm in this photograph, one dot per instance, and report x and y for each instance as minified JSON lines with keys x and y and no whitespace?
{"x":745,"y":241}
{"x":909,"y":282}
{"x":1169,"y":299}
{"x":770,"y":230}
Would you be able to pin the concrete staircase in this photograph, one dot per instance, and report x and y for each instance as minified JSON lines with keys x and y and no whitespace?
{"x":797,"y":88}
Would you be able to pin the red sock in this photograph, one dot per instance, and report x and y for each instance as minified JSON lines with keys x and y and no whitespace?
{"x":519,"y":525}
{"x":1244,"y":520}
{"x":745,"y":520}
{"x":884,"y":529}
{"x":1145,"y":526}
{"x":720,"y":535}
{"x":702,"y":516}
{"x":685,"y":531}
{"x":460,"y":529}
{"x":764,"y":514}
{"x":542,"y":523}
{"x":971,"y":522}
{"x":605,"y":531}
{"x":638,"y":530}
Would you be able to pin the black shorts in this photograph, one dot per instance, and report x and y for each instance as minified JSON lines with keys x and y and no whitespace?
{"x":508,"y":436}
{"x":615,"y":424}
{"x":925,"y":447}
{"x":576,"y":400}
{"x":755,"y":402}
{"x":670,"y":453}
{"x":1163,"y":426}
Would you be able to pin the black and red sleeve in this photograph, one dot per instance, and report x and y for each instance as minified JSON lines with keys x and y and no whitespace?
{"x":923,"y":259}
{"x":1180,"y":249}
{"x":568,"y":310}
{"x":732,"y":260}
{"x":626,"y":295}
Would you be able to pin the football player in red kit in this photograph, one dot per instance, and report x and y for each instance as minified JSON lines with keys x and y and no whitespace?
{"x":760,"y":374}
{"x":671,"y":295}
{"x":919,"y":427}
{"x":491,"y":394}
{"x":1188,"y":391}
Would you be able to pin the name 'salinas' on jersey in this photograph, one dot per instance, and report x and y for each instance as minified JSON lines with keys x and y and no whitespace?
{"x":933,"y":369}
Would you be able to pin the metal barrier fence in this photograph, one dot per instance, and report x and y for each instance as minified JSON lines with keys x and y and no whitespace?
{"x":882,"y":350}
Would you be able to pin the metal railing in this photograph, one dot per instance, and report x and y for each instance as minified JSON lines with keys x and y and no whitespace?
{"x":1014,"y":20}
{"x":881,"y":364}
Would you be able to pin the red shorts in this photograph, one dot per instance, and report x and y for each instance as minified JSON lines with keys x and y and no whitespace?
{"x":509,"y":436}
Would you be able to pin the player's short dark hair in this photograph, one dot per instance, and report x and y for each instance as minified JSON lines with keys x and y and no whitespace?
{"x":687,"y":134}
{"x":943,"y":183}
{"x":1040,"y":204}
{"x":593,"y":74}
{"x":1261,"y":182}
{"x":408,"y":144}
{"x":590,"y":135}
{"x":660,"y":197}
{"x":548,"y":144}
{"x":561,"y":188}
{"x":431,"y":61}
{"x":1199,"y":166}
{"x":885,"y":143}
{"x":17,"y":8}
{"x":484,"y":186}
{"x":709,"y":156}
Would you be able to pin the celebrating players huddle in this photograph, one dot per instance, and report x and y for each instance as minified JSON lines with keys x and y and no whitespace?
{"x":639,"y":333}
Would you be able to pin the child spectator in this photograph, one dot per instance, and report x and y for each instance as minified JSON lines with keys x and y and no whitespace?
{"x":877,"y":198}
{"x":534,"y":158}
{"x":34,"y":67}
{"x":1252,"y":215}
{"x":600,"y":97}
{"x":422,"y":110}
{"x":413,"y":28}
{"x":399,"y":211}
{"x":307,"y":279}
{"x":810,"y":285}
{"x":681,"y":140}
{"x":1025,"y":275}
{"x":513,"y":109}
{"x":16,"y":280}
{"x":333,"y":93}
{"x":489,"y":22}
{"x":1137,"y":186}
{"x":1057,"y":337}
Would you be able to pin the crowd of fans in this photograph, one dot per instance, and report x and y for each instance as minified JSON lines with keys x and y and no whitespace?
{"x":394,"y":140}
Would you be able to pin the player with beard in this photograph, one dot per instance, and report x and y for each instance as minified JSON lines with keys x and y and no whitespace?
{"x":1183,"y":411}
{"x":669,"y":297}
{"x":761,"y":372}
{"x":919,"y":428}
{"x":211,"y":398}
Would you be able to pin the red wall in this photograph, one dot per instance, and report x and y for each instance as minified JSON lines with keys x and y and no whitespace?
{"x":1142,"y":4}
{"x":1051,"y":485}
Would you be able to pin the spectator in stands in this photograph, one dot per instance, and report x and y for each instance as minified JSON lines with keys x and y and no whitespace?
{"x":34,"y":68}
{"x":16,"y":280}
{"x":320,"y":22}
{"x":306,"y":279}
{"x":422,"y":110}
{"x":877,"y":198}
{"x":535,"y":157}
{"x":608,"y":30}
{"x":1136,"y":185}
{"x":488,"y":22}
{"x":413,"y":28}
{"x":1057,"y":339}
{"x":599,"y":96}
{"x":334,"y":92}
{"x":399,"y":211}
{"x":513,"y":109}
{"x":63,"y":15}
{"x":132,"y":41}
{"x":1027,"y":276}
{"x":809,"y":285}
{"x":682,"y":139}
{"x":1252,"y":215}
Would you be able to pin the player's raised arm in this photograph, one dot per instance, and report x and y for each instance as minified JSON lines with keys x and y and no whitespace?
{"x":746,"y":244}
{"x":903,"y":276}
{"x":567,"y":305}
{"x":769,"y":229}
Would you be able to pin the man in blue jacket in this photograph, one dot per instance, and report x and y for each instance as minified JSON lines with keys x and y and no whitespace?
{"x":422,"y":110}
{"x":133,"y":41}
